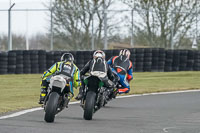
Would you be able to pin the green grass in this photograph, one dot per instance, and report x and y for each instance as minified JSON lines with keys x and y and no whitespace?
{"x":19,"y":91}
{"x":148,"y":82}
{"x":22,"y":91}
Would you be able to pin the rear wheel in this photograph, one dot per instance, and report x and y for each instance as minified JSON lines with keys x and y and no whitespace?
{"x":89,"y":105}
{"x":51,"y":107}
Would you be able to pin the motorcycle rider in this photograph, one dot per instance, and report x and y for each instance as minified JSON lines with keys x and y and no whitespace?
{"x":65,"y":67}
{"x":123,"y":67}
{"x":98,"y":63}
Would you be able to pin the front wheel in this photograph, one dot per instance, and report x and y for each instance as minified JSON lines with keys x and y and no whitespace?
{"x":89,"y":105}
{"x":51,"y":107}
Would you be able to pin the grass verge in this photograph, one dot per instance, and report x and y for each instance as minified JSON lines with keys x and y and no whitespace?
{"x":22,"y":91}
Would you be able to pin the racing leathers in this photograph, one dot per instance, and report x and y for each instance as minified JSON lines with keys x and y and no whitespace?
{"x":123,"y":67}
{"x":65,"y":68}
{"x":97,"y":64}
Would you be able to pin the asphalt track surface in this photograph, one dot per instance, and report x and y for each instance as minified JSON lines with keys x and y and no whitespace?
{"x":169,"y":113}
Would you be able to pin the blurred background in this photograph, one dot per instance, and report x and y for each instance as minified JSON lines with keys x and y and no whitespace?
{"x":99,"y":24}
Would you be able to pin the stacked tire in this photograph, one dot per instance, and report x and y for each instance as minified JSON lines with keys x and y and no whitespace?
{"x":42,"y":60}
{"x":19,"y":61}
{"x":155,"y":59}
{"x":49,"y":59}
{"x":161,"y":60}
{"x":34,"y":61}
{"x":26,"y":62}
{"x":87,"y":56}
{"x":183,"y":60}
{"x":139,"y":58}
{"x":3,"y":62}
{"x":116,"y":52}
{"x":168,"y":60}
{"x":196,"y":66}
{"x":108,"y":54}
{"x":176,"y":60}
{"x":80,"y":59}
{"x":11,"y":62}
{"x":190,"y":60}
{"x":147,"y":59}
{"x":57,"y":56}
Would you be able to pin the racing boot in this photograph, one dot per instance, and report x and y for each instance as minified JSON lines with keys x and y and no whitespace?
{"x":42,"y":95}
{"x":80,"y":94}
{"x":114,"y":94}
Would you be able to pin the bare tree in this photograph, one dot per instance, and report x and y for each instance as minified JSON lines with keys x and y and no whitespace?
{"x":18,"y":42}
{"x":39,"y":41}
{"x":166,"y":22}
{"x":73,"y":22}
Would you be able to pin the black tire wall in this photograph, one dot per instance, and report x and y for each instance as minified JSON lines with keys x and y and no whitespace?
{"x":144,"y":60}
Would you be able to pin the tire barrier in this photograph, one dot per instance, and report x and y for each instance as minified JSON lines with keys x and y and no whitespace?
{"x":42,"y":61}
{"x":196,"y":66}
{"x":155,"y":59}
{"x":139,"y":58}
{"x":79,"y":59}
{"x":144,"y":60}
{"x":147,"y":63}
{"x":19,"y":61}
{"x":190,"y":61}
{"x":3,"y":62}
{"x":49,"y":59}
{"x":168,"y":60}
{"x":34,"y":56}
{"x":176,"y":61}
{"x":161,"y":60}
{"x":183,"y":60}
{"x":11,"y":62}
{"x":26,"y":62}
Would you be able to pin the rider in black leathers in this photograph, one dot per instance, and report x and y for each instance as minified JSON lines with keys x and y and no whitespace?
{"x":98,"y":63}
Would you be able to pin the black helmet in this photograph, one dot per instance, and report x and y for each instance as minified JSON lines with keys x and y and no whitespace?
{"x":67,"y":57}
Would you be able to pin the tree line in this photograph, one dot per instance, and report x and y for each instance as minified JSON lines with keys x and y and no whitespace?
{"x":156,"y":23}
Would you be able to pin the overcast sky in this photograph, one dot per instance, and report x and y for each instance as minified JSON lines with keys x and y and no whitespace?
{"x":32,"y":22}
{"x":23,"y":21}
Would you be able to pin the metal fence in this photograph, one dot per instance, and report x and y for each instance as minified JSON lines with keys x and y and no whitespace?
{"x":121,"y":28}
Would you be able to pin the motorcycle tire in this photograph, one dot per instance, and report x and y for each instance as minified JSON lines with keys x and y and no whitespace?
{"x":51,"y":107}
{"x":89,"y":105}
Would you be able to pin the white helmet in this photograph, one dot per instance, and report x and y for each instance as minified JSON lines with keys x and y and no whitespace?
{"x":99,"y":53}
{"x":125,"y":52}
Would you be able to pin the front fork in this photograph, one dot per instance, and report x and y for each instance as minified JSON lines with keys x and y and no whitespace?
{"x":82,"y":103}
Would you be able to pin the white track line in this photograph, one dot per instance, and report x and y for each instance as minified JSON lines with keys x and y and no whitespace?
{"x":159,"y":93}
{"x":148,"y":94}
{"x":167,"y":128}
{"x":27,"y":111}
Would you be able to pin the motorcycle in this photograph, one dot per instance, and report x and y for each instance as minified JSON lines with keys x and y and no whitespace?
{"x":112,"y":92}
{"x":58,"y":96}
{"x":94,"y":94}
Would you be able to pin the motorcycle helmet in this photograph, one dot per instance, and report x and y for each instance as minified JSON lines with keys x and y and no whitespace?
{"x":67,"y":57}
{"x":99,"y":53}
{"x":125,"y":52}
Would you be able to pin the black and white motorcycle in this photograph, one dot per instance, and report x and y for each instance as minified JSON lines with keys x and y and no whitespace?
{"x":58,"y":96}
{"x":94,"y":94}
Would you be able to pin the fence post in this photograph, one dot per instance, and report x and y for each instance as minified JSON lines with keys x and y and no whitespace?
{"x":9,"y":28}
{"x":105,"y":25}
{"x":93,"y":29}
{"x":172,"y":29}
{"x":27,"y":42}
{"x":132,"y":37}
{"x":51,"y":41}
